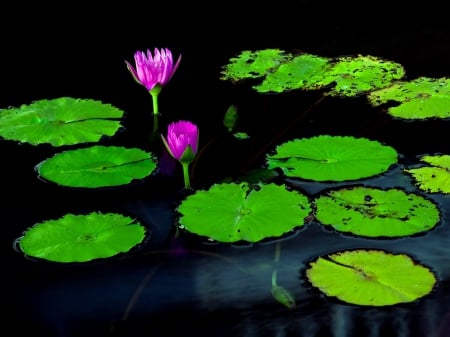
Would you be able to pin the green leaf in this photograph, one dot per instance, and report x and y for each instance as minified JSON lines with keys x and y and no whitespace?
{"x":97,"y":166}
{"x":435,"y":178}
{"x":350,"y":75}
{"x":241,"y":135}
{"x":373,"y":212}
{"x":305,"y":72}
{"x":283,"y":296}
{"x":249,"y":64}
{"x":371,"y":277}
{"x":332,"y":158}
{"x":60,"y":121}
{"x":355,"y":75}
{"x":421,"y":98}
{"x":231,"y":118}
{"x":82,"y":238}
{"x":233,"y":212}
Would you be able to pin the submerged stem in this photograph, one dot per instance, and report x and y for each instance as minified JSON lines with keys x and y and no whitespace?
{"x":155,"y":123}
{"x":155,"y":115}
{"x":155,"y":136}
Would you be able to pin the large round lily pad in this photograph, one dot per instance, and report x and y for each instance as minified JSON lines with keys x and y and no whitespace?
{"x":60,"y":121}
{"x":372,"y":212}
{"x":97,"y":166}
{"x":371,"y":277}
{"x":82,"y":238}
{"x":241,"y":212}
{"x":332,"y":158}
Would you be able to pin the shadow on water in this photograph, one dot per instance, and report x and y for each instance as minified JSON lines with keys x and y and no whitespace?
{"x":213,"y":289}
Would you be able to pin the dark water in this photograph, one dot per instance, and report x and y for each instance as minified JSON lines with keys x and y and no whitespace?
{"x":209,"y":289}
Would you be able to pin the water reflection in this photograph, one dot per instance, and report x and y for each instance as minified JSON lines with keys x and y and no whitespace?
{"x":225,"y":290}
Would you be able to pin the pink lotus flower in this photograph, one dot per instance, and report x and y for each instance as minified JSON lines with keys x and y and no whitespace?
{"x":182,"y":144}
{"x":153,"y":71}
{"x":182,"y":140}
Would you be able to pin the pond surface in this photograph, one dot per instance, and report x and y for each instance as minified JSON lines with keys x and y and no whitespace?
{"x":192,"y":286}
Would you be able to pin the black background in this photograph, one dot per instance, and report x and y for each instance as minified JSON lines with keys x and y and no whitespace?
{"x":53,"y":49}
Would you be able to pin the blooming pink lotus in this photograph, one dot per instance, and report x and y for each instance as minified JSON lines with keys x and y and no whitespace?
{"x":182,"y":140}
{"x":153,"y":71}
{"x":182,"y":144}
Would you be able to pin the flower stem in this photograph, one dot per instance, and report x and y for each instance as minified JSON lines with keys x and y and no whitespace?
{"x":187,"y":181}
{"x":155,"y":103}
{"x":155,"y":112}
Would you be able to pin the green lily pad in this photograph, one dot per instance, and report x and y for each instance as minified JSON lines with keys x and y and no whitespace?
{"x":253,"y":64}
{"x":82,"y":238}
{"x":346,"y":75}
{"x":421,"y":98}
{"x":97,"y":166}
{"x":371,"y":277}
{"x":60,"y":121}
{"x":332,"y":158}
{"x":355,"y":75}
{"x":434,"y":178}
{"x":232,"y":212}
{"x":305,"y":72}
{"x":373,"y":212}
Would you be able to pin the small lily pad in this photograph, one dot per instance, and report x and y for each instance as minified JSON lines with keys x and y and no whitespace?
{"x":97,"y":166}
{"x":372,"y":212}
{"x":434,"y":178}
{"x":332,"y":158}
{"x":232,"y":212}
{"x":420,"y":98}
{"x":60,"y":121}
{"x":371,"y":277}
{"x":82,"y":238}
